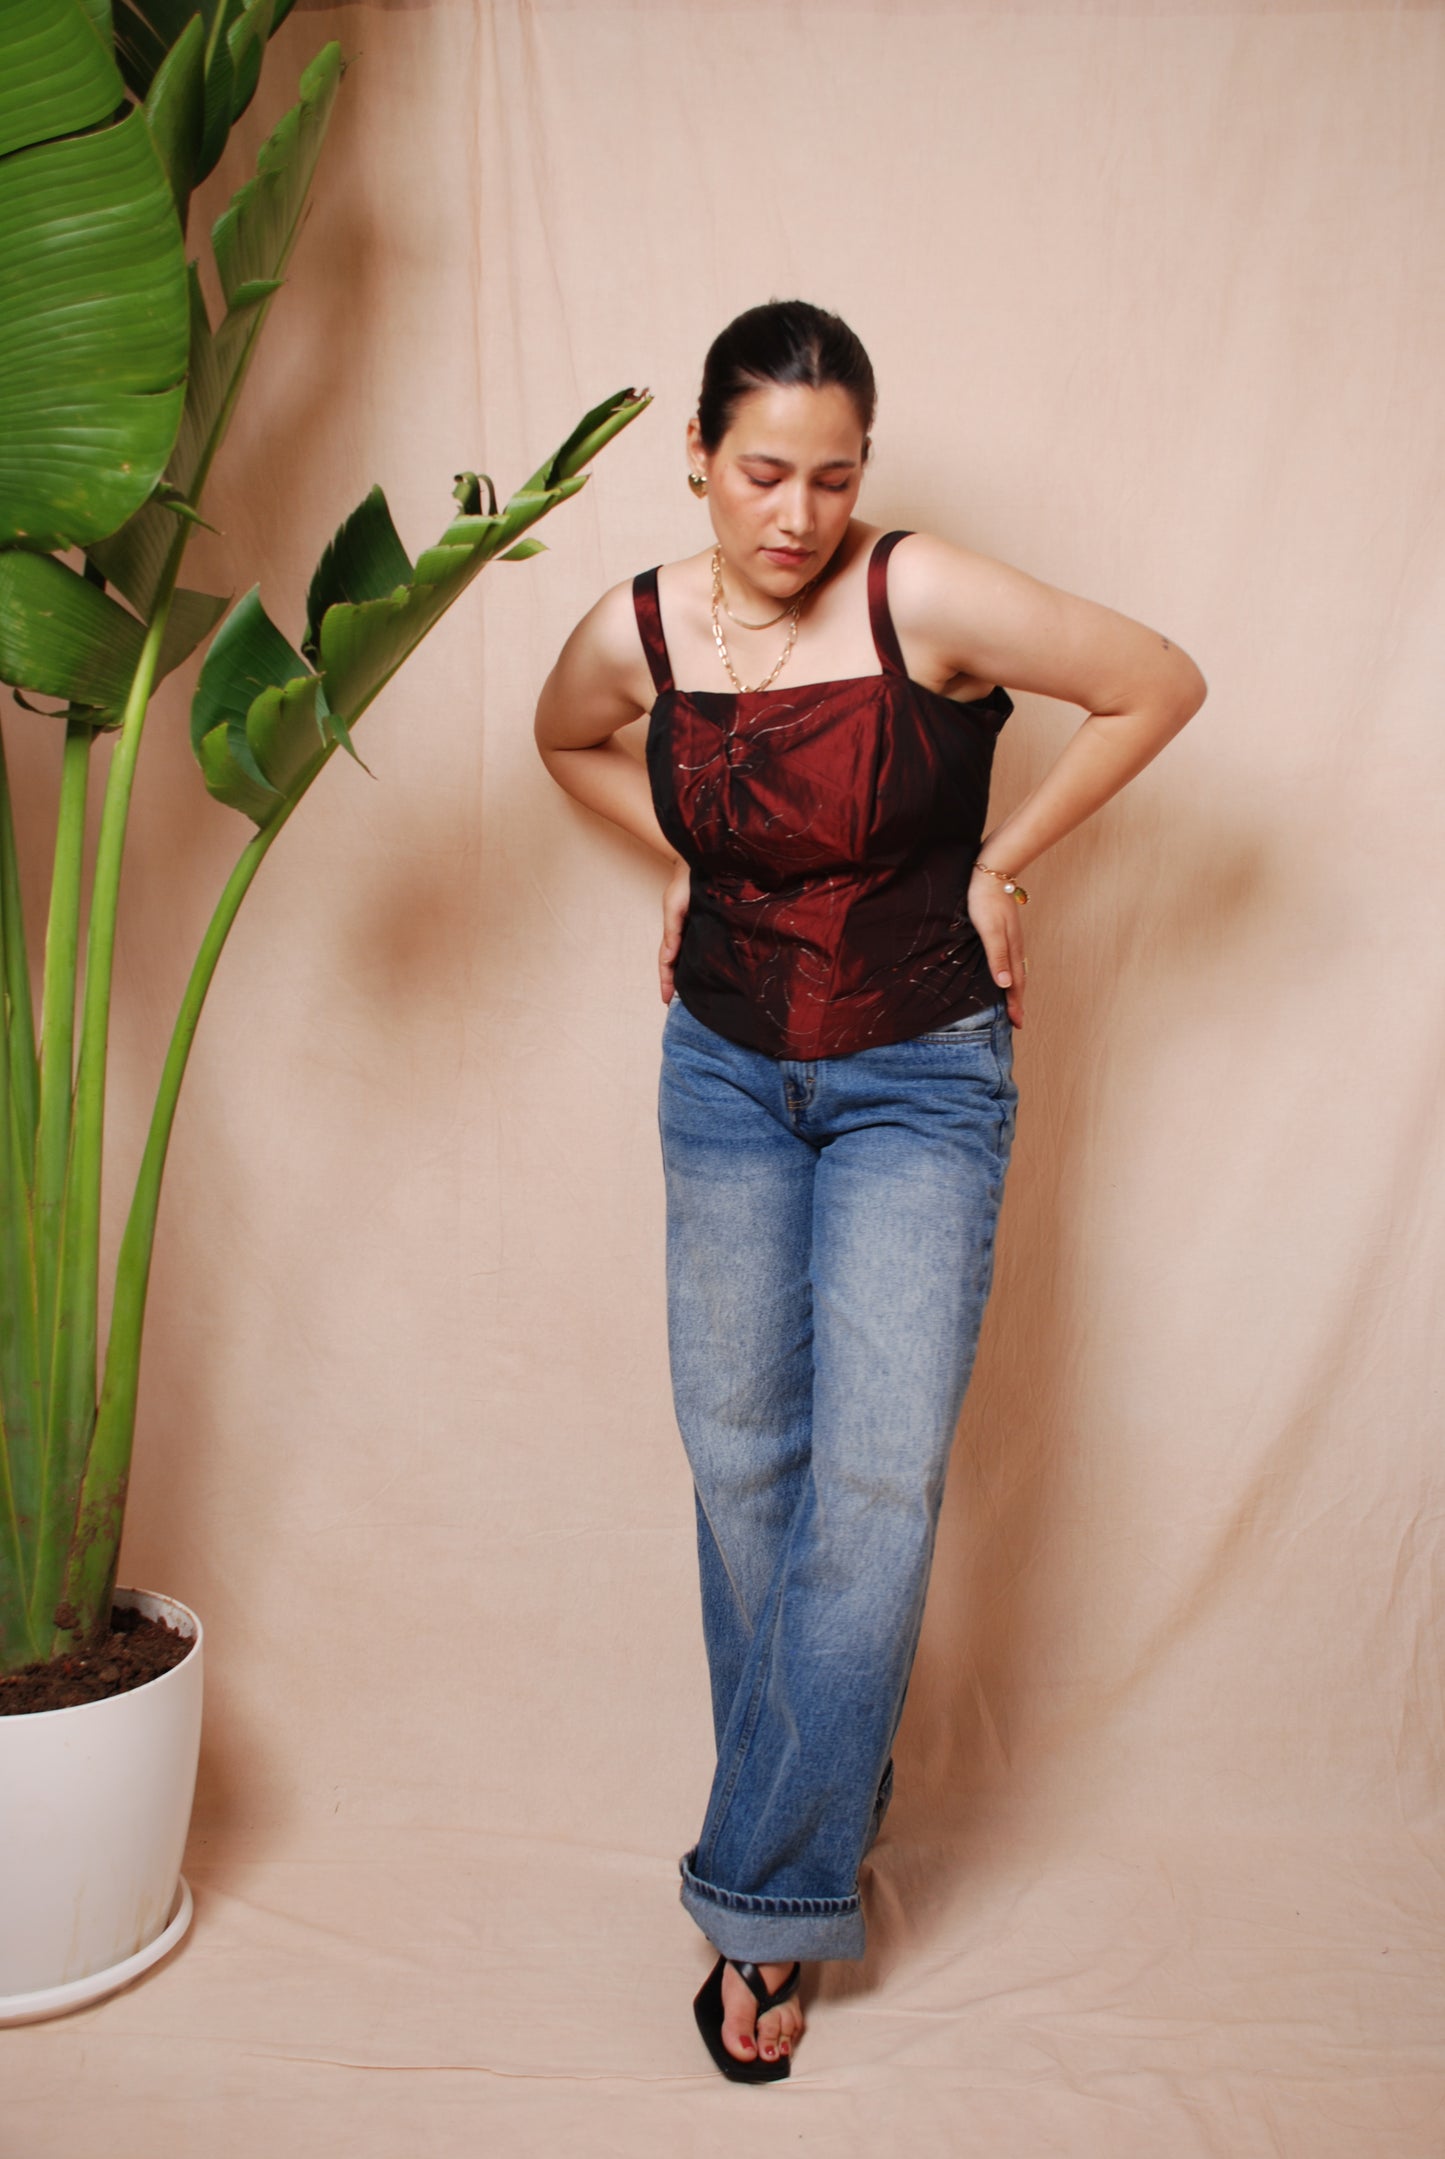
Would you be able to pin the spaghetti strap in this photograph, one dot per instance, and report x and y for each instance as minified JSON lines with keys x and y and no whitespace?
{"x":885,"y":637}
{"x":649,"y":623}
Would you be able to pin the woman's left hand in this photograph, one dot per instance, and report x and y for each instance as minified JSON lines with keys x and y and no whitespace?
{"x":996,"y":918}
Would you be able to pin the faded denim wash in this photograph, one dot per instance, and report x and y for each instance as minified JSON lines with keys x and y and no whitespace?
{"x":830,"y":1245}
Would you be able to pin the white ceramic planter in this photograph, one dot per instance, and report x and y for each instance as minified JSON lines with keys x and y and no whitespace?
{"x":94,"y":1806}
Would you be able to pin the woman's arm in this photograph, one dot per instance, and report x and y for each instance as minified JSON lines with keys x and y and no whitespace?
{"x":968,"y":615}
{"x":599,"y":685}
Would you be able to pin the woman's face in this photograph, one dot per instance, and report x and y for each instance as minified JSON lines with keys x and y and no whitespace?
{"x":782,"y":483}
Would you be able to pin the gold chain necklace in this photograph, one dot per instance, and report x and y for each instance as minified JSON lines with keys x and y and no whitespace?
{"x":767,"y":625}
{"x":793,"y":610}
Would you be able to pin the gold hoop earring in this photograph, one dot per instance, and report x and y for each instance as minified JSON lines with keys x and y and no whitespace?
{"x":697,"y":481}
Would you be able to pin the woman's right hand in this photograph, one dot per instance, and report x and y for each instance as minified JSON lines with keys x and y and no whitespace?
{"x":994,"y":913}
{"x":676,"y":894}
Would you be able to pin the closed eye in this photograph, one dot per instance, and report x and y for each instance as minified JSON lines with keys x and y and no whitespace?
{"x":829,"y":487}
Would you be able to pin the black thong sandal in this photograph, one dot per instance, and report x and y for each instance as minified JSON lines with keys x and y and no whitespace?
{"x":708,"y":2009}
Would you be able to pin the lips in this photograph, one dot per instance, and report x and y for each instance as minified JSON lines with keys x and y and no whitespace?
{"x":787,"y":558}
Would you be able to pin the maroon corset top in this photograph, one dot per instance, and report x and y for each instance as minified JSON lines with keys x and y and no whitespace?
{"x":831,"y":831}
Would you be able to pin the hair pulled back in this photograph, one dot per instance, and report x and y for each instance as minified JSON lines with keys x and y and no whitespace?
{"x":783,"y":342}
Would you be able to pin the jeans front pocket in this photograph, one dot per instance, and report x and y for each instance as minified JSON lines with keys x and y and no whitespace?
{"x":972,"y":1024}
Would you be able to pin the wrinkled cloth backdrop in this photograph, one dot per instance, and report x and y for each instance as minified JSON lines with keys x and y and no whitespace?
{"x":1155,"y":296}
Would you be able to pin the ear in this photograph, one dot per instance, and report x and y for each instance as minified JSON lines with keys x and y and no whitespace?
{"x":696,"y":454}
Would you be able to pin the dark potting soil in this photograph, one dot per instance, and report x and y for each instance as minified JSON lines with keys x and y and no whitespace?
{"x":135,"y":1650}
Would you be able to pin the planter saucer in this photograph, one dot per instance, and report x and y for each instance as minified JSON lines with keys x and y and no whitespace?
{"x":79,"y":1993}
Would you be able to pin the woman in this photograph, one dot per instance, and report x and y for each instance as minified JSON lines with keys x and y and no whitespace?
{"x":842,"y":965}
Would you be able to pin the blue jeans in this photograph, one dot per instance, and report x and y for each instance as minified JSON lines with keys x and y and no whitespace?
{"x":830,"y":1241}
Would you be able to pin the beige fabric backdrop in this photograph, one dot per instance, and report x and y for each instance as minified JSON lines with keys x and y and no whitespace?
{"x":1156,"y":301}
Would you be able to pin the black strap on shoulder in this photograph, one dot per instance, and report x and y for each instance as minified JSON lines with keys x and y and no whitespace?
{"x":885,"y":637}
{"x":649,"y":623}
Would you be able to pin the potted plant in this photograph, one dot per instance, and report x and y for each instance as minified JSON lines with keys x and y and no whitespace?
{"x":116,"y":389}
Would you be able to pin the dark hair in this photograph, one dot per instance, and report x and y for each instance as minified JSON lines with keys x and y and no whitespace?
{"x":786,"y":341}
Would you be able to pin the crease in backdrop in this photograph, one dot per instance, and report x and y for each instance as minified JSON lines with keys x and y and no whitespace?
{"x":1155,"y":297}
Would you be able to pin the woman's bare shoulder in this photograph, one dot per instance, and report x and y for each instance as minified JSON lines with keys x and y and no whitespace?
{"x":607,"y":638}
{"x":979,"y":616}
{"x":600,"y":680}
{"x":927,"y":567}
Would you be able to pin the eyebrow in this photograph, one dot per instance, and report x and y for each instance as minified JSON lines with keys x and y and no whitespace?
{"x":830,"y":464}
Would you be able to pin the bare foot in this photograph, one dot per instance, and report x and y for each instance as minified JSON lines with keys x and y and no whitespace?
{"x":775,"y":2033}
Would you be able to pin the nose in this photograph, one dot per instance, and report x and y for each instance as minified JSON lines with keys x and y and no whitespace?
{"x":794,"y":511}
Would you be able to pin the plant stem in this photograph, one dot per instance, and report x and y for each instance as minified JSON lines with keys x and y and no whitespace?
{"x":21,"y":1408}
{"x":15,"y":995}
{"x":90,"y":1579}
{"x":57,"y":1018}
{"x":21,"y":1418}
{"x":72,"y":1370}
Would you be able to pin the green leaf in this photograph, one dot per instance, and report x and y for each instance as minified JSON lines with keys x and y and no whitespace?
{"x":592,"y":433}
{"x":193,"y":615}
{"x":56,"y":75}
{"x":334,"y":729}
{"x":246,"y":43}
{"x":364,"y":560}
{"x":133,"y":558}
{"x":523,"y":549}
{"x":468,"y":492}
{"x":256,"y":693}
{"x":220,"y":87}
{"x":367,"y":610}
{"x":252,"y":240}
{"x":254,"y":236}
{"x":99,"y":13}
{"x":248,"y":655}
{"x":285,"y":733}
{"x":146,"y":30}
{"x":226,"y":780}
{"x":251,"y":295}
{"x":62,"y":636}
{"x":362,"y":646}
{"x":170,"y":498}
{"x":93,"y":340}
{"x":175,"y":107}
{"x":235,"y":33}
{"x":260,"y":223}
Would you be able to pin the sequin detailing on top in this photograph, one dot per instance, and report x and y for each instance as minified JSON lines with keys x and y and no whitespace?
{"x":831,"y":831}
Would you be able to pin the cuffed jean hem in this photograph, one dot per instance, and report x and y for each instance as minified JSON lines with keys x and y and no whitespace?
{"x":772,"y":1930}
